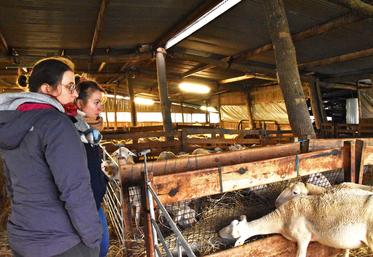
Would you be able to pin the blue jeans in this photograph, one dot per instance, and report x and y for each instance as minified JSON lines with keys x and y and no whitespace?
{"x":104,"y":247}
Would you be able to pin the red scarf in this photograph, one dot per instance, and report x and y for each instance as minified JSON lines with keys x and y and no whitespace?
{"x":70,"y":109}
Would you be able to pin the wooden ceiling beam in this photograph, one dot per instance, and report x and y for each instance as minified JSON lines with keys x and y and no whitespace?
{"x":98,"y":28}
{"x":223,"y":64}
{"x":311,"y":32}
{"x":185,"y":22}
{"x":337,"y":59}
{"x":350,"y":76}
{"x":246,"y":77}
{"x":356,"y":6}
{"x":4,"y":43}
{"x":122,"y":58}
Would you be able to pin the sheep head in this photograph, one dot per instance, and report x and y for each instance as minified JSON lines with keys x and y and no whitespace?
{"x":234,"y":231}
{"x":124,"y":154}
{"x":294,"y":189}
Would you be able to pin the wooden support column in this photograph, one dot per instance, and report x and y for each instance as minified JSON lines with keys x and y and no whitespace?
{"x":248,"y":100}
{"x":287,"y":71}
{"x":163,"y":90}
{"x":115,"y":108}
{"x":182,"y":112}
{"x":316,"y":104}
{"x":132,"y":102}
{"x":349,"y":161}
{"x":219,"y":110}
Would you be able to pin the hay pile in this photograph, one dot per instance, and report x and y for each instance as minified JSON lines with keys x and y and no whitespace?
{"x":4,"y":200}
{"x":213,"y":214}
{"x":4,"y":246}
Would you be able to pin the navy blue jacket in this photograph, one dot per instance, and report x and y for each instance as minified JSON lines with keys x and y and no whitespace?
{"x":98,"y":179}
{"x":48,"y":180}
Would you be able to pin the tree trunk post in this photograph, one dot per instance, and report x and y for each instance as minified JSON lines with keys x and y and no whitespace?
{"x":287,"y":70}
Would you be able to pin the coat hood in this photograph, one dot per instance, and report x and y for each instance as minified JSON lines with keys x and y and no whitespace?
{"x":14,"y":125}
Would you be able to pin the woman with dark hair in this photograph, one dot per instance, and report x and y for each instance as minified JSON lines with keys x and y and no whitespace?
{"x":89,"y":123}
{"x":53,"y":210}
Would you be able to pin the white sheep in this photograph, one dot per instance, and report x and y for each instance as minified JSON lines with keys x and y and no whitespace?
{"x":341,"y":218}
{"x":123,"y":156}
{"x":300,"y":188}
{"x":166,"y":155}
{"x":200,"y":151}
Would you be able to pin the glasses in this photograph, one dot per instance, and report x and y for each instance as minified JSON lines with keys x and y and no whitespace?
{"x":72,"y":87}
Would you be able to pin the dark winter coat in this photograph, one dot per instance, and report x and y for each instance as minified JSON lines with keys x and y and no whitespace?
{"x":47,"y":178}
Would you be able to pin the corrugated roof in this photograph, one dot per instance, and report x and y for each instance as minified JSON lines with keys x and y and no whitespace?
{"x":36,"y":28}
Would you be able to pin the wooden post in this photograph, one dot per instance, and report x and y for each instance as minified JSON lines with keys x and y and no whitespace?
{"x":207,"y":114}
{"x":287,"y":70}
{"x":182,"y":112}
{"x":320,"y":102}
{"x":107,"y":115}
{"x":163,"y":90}
{"x":349,"y":161}
{"x":315,"y":105}
{"x":360,"y":148}
{"x":115,"y":108}
{"x":248,"y":100}
{"x":219,"y":107}
{"x":132,"y":102}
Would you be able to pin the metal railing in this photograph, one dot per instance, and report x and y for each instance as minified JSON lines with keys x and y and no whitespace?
{"x":157,"y":234}
{"x":113,"y":201}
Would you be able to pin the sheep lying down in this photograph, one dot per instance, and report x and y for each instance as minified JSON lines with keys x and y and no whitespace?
{"x":342,"y":218}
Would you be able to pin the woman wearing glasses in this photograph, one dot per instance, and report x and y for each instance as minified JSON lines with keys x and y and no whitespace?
{"x":53,"y":209}
{"x":89,"y":124}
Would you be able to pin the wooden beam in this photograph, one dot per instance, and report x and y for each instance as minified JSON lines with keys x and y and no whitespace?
{"x":349,"y":76}
{"x":338,"y":86}
{"x":102,"y":66}
{"x":357,"y":6}
{"x":320,"y":144}
{"x":368,"y":155}
{"x":360,"y":147}
{"x":224,"y":64}
{"x":132,"y":102}
{"x":4,"y":43}
{"x":246,"y":77}
{"x":98,"y":28}
{"x":288,"y":74}
{"x":320,"y":101}
{"x":185,"y":22}
{"x":133,"y":172}
{"x":189,"y":185}
{"x":311,"y":32}
{"x":275,"y":246}
{"x":337,"y":59}
{"x":315,"y":106}
{"x":122,"y":58}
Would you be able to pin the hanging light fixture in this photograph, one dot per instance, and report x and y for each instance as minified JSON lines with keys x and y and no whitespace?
{"x":189,"y":87}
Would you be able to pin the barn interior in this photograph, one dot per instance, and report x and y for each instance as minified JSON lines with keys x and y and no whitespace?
{"x":259,"y":76}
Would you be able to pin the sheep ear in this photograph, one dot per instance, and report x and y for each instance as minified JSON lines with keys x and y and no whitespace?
{"x":243,"y":218}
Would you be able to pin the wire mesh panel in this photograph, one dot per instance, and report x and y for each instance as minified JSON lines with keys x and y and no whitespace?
{"x":113,"y":206}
